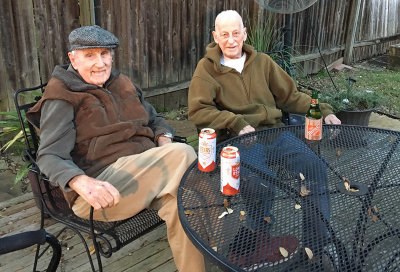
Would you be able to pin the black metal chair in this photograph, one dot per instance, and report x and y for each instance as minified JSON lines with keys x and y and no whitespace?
{"x":108,"y":237}
{"x":26,"y":239}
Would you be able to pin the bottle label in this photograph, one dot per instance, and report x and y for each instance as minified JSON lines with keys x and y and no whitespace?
{"x":313,"y":129}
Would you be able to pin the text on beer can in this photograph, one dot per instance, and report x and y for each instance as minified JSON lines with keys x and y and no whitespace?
{"x":207,"y":149}
{"x":230,"y":170}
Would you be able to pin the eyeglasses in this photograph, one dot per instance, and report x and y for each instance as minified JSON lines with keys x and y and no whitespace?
{"x":225,"y":36}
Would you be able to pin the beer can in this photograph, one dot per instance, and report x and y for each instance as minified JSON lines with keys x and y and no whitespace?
{"x":207,"y":149}
{"x":230,"y":170}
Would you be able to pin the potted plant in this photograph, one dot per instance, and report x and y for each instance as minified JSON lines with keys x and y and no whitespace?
{"x":353,"y":107}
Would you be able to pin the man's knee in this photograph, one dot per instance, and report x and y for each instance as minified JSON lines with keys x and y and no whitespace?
{"x":183,"y":151}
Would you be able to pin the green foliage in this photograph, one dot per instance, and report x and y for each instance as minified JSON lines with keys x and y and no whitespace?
{"x":263,"y":35}
{"x":10,"y":131}
{"x":351,"y":99}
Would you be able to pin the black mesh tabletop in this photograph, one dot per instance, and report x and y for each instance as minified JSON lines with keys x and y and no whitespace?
{"x":329,"y":205}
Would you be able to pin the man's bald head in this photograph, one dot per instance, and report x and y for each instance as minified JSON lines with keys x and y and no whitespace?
{"x":230,"y":34}
{"x":228,"y":15}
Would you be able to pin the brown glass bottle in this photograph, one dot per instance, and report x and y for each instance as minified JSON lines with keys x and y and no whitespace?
{"x":313,"y":129}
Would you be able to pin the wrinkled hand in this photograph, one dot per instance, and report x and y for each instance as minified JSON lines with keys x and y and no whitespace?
{"x":246,"y":129}
{"x":162,"y":140}
{"x":332,"y":119}
{"x":99,"y":194}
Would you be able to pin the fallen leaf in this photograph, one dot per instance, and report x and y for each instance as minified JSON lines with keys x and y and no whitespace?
{"x":346,"y":184}
{"x":268,"y":219}
{"x":189,"y":212}
{"x":20,"y":268}
{"x":297,"y":207}
{"x":226,"y":203}
{"x":284,"y":252}
{"x":309,"y":253}
{"x":242,"y":213}
{"x":369,"y":211}
{"x":339,"y":153}
{"x":304,"y":191}
{"x":229,"y":210}
{"x":302,"y":176}
{"x":242,"y":217}
{"x":375,"y":218}
{"x":222,"y":215}
{"x":353,"y":190}
{"x":214,"y":248}
{"x":392,"y":140}
{"x":375,"y":209}
{"x":92,"y":250}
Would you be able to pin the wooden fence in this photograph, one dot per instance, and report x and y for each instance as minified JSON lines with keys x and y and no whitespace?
{"x":162,"y":40}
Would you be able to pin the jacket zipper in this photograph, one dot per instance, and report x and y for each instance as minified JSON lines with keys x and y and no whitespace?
{"x":244,"y":86}
{"x":114,"y":102}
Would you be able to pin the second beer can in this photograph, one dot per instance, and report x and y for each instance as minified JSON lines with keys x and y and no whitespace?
{"x":207,"y":149}
{"x":230,"y":170}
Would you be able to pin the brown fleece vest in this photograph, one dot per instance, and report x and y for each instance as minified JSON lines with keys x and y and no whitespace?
{"x":110,"y":123}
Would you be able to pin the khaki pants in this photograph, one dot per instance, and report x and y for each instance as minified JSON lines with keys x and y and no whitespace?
{"x":151,"y":180}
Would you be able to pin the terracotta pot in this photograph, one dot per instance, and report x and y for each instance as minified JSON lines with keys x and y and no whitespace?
{"x":360,"y":117}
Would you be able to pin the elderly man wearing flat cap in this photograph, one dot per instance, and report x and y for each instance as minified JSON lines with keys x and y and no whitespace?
{"x":106,"y":147}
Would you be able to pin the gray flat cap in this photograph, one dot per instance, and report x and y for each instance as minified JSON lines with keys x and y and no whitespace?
{"x":91,"y":37}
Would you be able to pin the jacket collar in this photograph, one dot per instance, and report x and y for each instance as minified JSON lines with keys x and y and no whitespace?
{"x":214,"y":55}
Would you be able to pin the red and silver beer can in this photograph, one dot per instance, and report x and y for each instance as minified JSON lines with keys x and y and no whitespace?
{"x":230,"y":170}
{"x":207,"y":149}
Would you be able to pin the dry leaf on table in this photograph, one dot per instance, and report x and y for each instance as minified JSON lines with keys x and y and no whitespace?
{"x":222,"y":215}
{"x":302,"y":176}
{"x":309,"y":253}
{"x":375,"y":209}
{"x":339,"y":153}
{"x":284,"y":252}
{"x":304,"y":191}
{"x":226,"y":203}
{"x":189,"y":212}
{"x":268,"y":219}
{"x":242,"y":217}
{"x":297,"y":207}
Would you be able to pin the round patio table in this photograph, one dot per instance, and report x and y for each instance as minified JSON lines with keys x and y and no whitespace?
{"x":329,"y":205}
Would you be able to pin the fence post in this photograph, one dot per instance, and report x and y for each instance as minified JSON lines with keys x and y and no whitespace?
{"x":86,"y":16}
{"x":351,"y":31}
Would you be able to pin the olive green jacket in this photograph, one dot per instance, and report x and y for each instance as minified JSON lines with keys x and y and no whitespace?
{"x":226,"y":100}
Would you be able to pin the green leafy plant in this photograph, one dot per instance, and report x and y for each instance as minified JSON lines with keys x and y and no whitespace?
{"x":350,"y":99}
{"x":264,"y":36}
{"x":10,"y":131}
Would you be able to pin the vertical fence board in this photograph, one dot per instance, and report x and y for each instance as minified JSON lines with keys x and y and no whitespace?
{"x":162,"y":40}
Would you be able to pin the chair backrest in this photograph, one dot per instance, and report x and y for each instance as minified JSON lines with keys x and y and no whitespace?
{"x":31,"y":137}
{"x":52,"y":196}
